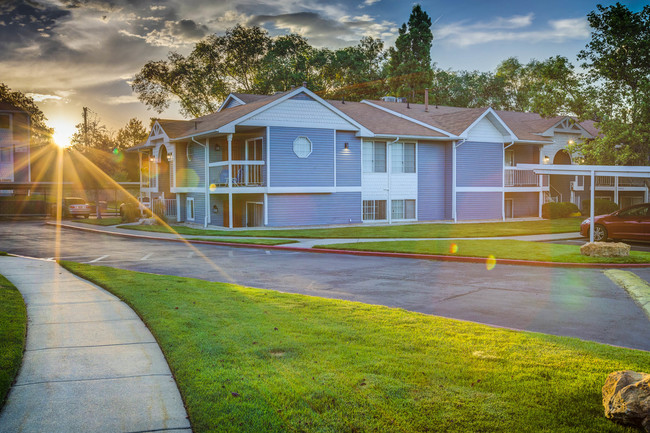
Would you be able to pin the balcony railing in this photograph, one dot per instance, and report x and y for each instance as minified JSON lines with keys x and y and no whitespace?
{"x":242,"y":174}
{"x":622,"y":181}
{"x":516,"y":177}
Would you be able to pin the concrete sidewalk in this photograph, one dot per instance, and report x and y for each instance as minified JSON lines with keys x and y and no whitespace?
{"x":90,"y":364}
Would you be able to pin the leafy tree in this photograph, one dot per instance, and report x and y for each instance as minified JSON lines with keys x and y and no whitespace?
{"x":41,"y":133}
{"x":409,"y":66}
{"x":132,"y":134}
{"x":618,"y":62}
{"x":548,"y":87}
{"x":466,"y":89}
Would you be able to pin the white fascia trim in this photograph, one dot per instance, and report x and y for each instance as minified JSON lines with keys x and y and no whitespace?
{"x":533,"y":142}
{"x":231,"y":126}
{"x":183,"y":189}
{"x":513,"y":137}
{"x":155,"y":137}
{"x":410,"y":119}
{"x":312,"y":190}
{"x":230,"y":96}
{"x":412,"y":137}
{"x":549,"y":132}
{"x":479,"y":189}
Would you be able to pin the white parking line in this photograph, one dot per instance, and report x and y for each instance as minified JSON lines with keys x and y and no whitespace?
{"x":231,"y":254}
{"x":267,"y":252}
{"x":190,"y":255}
{"x":98,"y":259}
{"x":146,"y":256}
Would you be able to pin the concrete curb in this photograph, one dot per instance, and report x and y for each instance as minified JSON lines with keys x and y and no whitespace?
{"x":636,"y":287}
{"x":442,"y":258}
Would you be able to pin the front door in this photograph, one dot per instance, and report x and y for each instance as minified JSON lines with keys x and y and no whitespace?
{"x":509,"y":208}
{"x":254,"y":214}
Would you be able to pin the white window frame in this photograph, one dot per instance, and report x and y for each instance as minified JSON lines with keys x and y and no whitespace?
{"x":374,"y":210}
{"x":301,"y":153}
{"x":401,"y":202}
{"x":398,"y":164}
{"x":189,"y":205}
{"x":369,"y":161}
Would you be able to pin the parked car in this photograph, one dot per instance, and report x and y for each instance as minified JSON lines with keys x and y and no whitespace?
{"x":144,"y":203}
{"x":629,"y":223}
{"x":77,"y":206}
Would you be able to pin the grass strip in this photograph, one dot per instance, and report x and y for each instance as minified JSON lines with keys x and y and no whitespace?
{"x":251,"y":360}
{"x":13,"y":328}
{"x":248,"y":241}
{"x":499,"y":248}
{"x":109,"y":221}
{"x":433,"y":230}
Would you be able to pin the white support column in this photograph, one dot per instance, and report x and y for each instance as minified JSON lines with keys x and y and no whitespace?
{"x":268,"y":156}
{"x":591,"y":206}
{"x":266,"y":209}
{"x":645,"y":194}
{"x":334,"y":158}
{"x":503,"y":184}
{"x":230,"y":209}
{"x":541,"y":202}
{"x":178,"y":208}
{"x":453,"y":181}
{"x":389,"y":164}
{"x":616,"y":189}
{"x":229,"y":160}
{"x":207,"y":182}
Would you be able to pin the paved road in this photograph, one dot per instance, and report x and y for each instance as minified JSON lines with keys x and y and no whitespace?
{"x":574,"y":302}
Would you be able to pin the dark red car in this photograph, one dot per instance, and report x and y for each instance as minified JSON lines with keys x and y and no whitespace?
{"x":629,"y":223}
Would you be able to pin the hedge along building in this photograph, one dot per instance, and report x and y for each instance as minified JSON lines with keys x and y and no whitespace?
{"x":294,"y":159}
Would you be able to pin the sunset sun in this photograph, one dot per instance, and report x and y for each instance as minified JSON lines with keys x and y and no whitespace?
{"x":63,"y":134}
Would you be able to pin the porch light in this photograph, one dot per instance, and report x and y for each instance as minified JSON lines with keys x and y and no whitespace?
{"x":151,"y":158}
{"x":571,"y":142}
{"x":546,"y":159}
{"x":346,"y":146}
{"x":217,"y":148}
{"x":169,"y":156}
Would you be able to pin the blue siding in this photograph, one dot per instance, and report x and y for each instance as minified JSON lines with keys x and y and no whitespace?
{"x":314,"y":209}
{"x":526,"y":204}
{"x":479,"y":164}
{"x":348,"y":161}
{"x":479,"y":205}
{"x":431,"y":181}
{"x":190,"y":173}
{"x":199,"y":207}
{"x":289,"y":170}
{"x":216,"y":218}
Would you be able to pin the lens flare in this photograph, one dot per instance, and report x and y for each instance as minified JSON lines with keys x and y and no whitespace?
{"x":213,"y":187}
{"x":453,"y":248}
{"x":490,"y":262}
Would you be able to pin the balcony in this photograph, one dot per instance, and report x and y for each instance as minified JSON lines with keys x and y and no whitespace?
{"x":243,"y":174}
{"x":609,"y":181}
{"x":516,"y":177}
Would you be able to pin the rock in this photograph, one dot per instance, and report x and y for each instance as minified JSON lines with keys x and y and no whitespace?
{"x":626,"y":397}
{"x":605,"y":249}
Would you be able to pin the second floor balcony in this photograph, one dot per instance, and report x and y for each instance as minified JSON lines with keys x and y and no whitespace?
{"x":514,"y":177}
{"x":241,"y":174}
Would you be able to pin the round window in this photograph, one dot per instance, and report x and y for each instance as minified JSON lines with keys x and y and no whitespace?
{"x":302,"y":147}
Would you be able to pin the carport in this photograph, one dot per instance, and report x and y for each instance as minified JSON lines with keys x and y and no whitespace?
{"x":592,"y":171}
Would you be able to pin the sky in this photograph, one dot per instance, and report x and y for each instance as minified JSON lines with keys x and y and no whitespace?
{"x":69,"y":54}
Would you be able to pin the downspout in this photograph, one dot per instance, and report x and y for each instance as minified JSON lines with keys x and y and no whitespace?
{"x":207,"y":182}
{"x":389,"y":164}
{"x":503,"y":184}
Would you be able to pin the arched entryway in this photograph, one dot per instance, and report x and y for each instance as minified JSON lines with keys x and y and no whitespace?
{"x":560,"y":184}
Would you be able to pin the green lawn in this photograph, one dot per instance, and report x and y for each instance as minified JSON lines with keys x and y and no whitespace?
{"x":105,"y":221}
{"x":249,"y":241}
{"x":13,"y":326}
{"x":433,"y":230}
{"x":499,"y":248}
{"x":251,"y":360}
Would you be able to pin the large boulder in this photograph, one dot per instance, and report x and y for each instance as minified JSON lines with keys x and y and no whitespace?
{"x":626,"y":397}
{"x":605,"y":249}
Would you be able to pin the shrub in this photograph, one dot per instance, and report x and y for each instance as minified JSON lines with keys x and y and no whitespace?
{"x":558,"y":210}
{"x":129,"y":212}
{"x":602,"y":206}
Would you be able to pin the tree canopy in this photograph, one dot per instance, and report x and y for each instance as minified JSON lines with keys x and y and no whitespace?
{"x":618,"y":63}
{"x":41,"y":133}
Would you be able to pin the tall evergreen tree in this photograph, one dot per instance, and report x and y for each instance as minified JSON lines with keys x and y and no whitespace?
{"x":409,"y":67}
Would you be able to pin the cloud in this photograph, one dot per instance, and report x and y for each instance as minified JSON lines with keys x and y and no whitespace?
{"x":369,"y":3}
{"x":177,"y":33}
{"x":40,"y":97}
{"x":514,"y":28}
{"x":124,"y":99}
